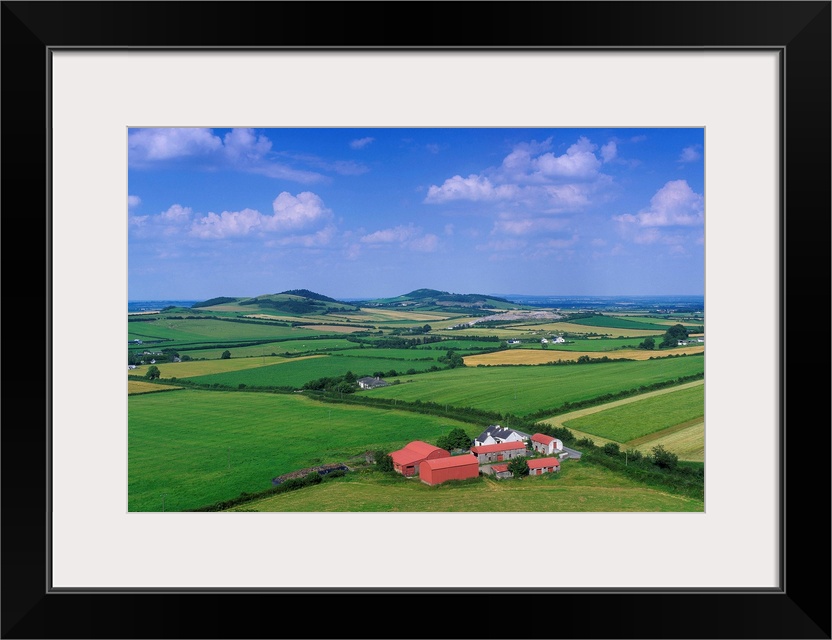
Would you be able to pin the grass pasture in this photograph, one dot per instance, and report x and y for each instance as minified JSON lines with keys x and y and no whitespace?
{"x":576,"y":488}
{"x":196,"y":368}
{"x":200,"y":447}
{"x":295,"y":372}
{"x":581,"y":329}
{"x":292,"y":347}
{"x":333,"y":328}
{"x":644,"y":417}
{"x":523,"y":390}
{"x":542,"y":356}
{"x":204,"y":330}
{"x":618,"y":322}
{"x":584,"y":344}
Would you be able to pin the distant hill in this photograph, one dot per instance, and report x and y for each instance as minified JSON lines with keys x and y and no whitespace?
{"x":446,"y":301}
{"x":292,"y":302}
{"x":213,"y":302}
{"x":306,"y":293}
{"x":306,"y":302}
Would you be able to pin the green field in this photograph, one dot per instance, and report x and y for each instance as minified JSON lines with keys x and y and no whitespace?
{"x":203,"y":330}
{"x":294,"y":347}
{"x":585,"y":344}
{"x":296,"y":373}
{"x":522,"y":390}
{"x":637,"y":419}
{"x":200,"y":447}
{"x":613,"y":322}
{"x":576,"y":488}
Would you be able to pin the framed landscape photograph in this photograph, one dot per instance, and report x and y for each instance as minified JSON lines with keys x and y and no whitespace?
{"x":517,"y":314}
{"x":398,"y":314}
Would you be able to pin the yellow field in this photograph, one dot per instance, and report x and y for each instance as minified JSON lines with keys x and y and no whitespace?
{"x":135,"y":387}
{"x":207,"y":367}
{"x":687,"y":442}
{"x":542,"y":356}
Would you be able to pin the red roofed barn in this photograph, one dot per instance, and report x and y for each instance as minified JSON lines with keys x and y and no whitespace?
{"x":499,"y":452}
{"x":538,"y":466}
{"x":439,"y":470}
{"x":407,"y":460}
{"x":546,"y":444}
{"x":501,"y":471}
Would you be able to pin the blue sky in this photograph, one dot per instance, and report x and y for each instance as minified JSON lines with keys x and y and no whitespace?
{"x":366,"y":213}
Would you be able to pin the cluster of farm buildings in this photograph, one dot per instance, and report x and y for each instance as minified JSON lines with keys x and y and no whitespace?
{"x":489,"y":453}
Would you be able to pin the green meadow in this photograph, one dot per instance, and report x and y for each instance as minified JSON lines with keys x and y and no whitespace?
{"x":576,"y":488}
{"x":296,"y":373}
{"x":201,"y":447}
{"x":202,"y":330}
{"x":522,"y":390}
{"x":642,"y":417}
{"x":294,"y":346}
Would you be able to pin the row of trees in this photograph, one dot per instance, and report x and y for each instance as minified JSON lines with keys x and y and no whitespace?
{"x":671,"y":338}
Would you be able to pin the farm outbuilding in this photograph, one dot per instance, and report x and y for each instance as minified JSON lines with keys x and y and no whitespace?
{"x":545,"y":444}
{"x":441,"y":470}
{"x":501,"y":471}
{"x":498,"y":452}
{"x":539,"y":466}
{"x":407,"y":460}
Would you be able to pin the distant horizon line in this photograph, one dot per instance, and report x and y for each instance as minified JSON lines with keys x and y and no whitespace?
{"x":500,"y":295}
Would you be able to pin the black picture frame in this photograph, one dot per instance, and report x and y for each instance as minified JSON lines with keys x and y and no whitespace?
{"x":800,"y":608}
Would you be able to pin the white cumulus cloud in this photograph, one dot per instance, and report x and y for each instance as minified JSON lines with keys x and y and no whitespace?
{"x":675,"y":204}
{"x":609,"y":151}
{"x":404,"y":236}
{"x":360,"y":143}
{"x":297,"y":212}
{"x":163,"y":144}
{"x":473,"y":187}
{"x":690,"y":154}
{"x":228,"y":224}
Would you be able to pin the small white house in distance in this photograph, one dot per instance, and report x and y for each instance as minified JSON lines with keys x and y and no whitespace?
{"x":371,"y":383}
{"x":558,"y":339}
{"x":546,"y":444}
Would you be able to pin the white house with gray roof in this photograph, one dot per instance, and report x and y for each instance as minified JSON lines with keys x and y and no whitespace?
{"x":495,"y":434}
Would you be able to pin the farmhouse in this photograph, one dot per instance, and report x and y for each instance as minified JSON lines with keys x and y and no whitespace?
{"x":407,"y":461}
{"x":539,"y":466}
{"x":441,"y":470}
{"x":371,"y":383}
{"x":498,"y":452}
{"x":545,"y":444}
{"x":495,"y":434}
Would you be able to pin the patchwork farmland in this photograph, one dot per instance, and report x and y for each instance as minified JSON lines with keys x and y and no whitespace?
{"x":253,"y":392}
